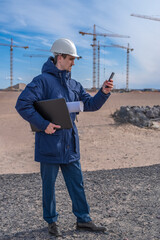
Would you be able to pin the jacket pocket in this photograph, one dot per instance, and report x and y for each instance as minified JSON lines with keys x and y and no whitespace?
{"x":50,"y":145}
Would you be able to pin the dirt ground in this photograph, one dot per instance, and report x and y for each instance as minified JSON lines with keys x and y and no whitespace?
{"x":121,"y":174}
{"x":104,"y":144}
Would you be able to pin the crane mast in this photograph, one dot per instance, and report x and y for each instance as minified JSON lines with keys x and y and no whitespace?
{"x":127,"y":62}
{"x":94,"y":57}
{"x":98,"y":76}
{"x":95,"y":34}
{"x":11,"y":63}
{"x":127,"y":69}
{"x":11,"y":58}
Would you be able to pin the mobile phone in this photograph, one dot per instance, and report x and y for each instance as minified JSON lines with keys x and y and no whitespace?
{"x":111,"y":76}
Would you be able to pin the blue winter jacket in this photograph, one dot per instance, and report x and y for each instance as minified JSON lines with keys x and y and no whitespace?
{"x":63,"y":145}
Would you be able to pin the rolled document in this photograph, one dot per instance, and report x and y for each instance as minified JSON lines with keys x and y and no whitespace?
{"x":75,"y":106}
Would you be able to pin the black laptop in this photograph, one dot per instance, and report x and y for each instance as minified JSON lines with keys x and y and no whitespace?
{"x":55,"y":111}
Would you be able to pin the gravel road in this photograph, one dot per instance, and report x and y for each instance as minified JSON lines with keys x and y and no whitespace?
{"x":126,"y":201}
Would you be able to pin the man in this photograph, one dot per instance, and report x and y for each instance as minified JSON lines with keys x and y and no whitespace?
{"x":55,"y":147}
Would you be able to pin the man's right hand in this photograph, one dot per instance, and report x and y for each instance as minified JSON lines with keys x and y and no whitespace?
{"x":52,"y":128}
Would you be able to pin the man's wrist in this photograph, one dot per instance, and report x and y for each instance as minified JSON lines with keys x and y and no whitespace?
{"x":104,"y":92}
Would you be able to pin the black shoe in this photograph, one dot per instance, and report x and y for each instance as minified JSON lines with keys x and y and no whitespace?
{"x":90,"y":226}
{"x":53,"y":229}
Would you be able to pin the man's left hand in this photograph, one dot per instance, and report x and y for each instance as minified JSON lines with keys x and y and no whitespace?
{"x":107,"y":86}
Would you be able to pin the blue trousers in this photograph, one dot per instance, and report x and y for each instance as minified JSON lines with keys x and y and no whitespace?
{"x":74,"y":181}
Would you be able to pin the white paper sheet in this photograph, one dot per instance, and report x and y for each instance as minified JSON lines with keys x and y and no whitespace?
{"x":75,"y":106}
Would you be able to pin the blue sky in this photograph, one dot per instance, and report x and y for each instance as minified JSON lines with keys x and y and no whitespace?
{"x":38,"y":23}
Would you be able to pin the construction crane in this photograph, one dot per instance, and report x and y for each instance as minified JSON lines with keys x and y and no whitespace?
{"x":11,"y":58}
{"x":45,"y":50}
{"x":127,"y":64}
{"x":95,"y":34}
{"x":145,"y":16}
{"x":35,"y":55}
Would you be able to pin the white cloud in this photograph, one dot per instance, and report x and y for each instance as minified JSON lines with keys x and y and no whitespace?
{"x":109,"y":62}
{"x":38,"y":23}
{"x":104,"y":52}
{"x":5,"y":39}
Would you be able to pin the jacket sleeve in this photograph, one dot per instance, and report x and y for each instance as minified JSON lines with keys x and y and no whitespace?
{"x":93,"y":103}
{"x":34,"y":91}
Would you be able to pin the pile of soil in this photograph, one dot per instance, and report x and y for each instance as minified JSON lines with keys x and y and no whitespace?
{"x":139,"y":116}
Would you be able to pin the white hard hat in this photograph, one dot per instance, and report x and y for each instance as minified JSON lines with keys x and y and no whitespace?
{"x":64,"y":46}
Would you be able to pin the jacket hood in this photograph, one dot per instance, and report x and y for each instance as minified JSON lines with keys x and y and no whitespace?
{"x":49,"y":67}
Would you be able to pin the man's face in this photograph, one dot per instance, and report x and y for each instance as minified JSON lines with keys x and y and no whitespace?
{"x":66,"y":63}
